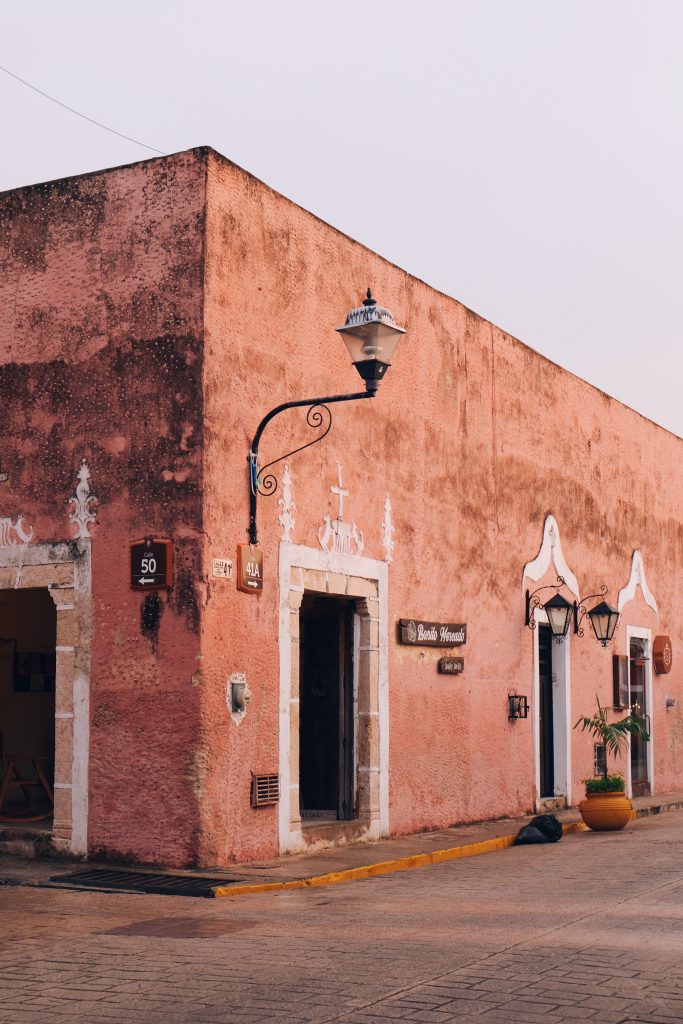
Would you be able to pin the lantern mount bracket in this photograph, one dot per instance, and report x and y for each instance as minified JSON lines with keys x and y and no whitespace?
{"x":534,"y":603}
{"x":318,"y":417}
{"x":580,"y":610}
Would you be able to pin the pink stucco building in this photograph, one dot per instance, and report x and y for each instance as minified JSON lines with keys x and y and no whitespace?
{"x":151,"y":316}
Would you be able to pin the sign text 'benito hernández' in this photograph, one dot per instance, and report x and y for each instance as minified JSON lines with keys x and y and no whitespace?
{"x":432,"y":634}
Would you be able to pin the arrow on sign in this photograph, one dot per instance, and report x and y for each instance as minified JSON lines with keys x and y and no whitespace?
{"x":145,"y":580}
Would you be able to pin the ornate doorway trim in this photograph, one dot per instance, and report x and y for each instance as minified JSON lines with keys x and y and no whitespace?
{"x":365,"y":580}
{"x":64,"y":569}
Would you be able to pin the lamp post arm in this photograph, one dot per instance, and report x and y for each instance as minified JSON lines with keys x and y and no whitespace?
{"x":580,"y":610}
{"x":314,"y":418}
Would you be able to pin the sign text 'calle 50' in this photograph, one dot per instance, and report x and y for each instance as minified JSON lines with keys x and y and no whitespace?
{"x":151,"y":564}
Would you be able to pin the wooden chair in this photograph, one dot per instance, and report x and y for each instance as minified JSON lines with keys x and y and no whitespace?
{"x":13,"y":776}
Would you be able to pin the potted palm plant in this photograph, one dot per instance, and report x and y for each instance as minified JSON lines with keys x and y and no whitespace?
{"x":606,"y":807}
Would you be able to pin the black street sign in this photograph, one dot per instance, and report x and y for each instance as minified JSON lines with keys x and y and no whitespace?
{"x":151,"y":564}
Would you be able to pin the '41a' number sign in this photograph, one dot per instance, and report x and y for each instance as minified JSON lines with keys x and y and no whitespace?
{"x":151,"y":564}
{"x":249,"y":569}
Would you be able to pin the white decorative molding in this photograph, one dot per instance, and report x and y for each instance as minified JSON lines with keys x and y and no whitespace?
{"x":7,"y":528}
{"x":387,"y":532}
{"x":637,"y":576}
{"x":336,"y":536}
{"x":83,"y":513}
{"x":286,"y":502}
{"x":551,"y":553}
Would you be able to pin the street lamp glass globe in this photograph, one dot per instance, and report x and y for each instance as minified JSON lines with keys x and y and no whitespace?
{"x":371,"y":336}
{"x":559,"y":612}
{"x":604,"y":620}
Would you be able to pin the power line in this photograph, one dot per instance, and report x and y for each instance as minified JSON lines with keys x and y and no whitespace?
{"x":78,"y":113}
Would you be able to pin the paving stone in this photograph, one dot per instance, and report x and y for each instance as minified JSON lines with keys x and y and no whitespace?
{"x":577,"y":939}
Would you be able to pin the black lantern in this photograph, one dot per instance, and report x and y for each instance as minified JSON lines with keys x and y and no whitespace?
{"x":603,"y":616}
{"x":371,"y":336}
{"x":604,"y":619}
{"x":557,"y":608}
{"x":559,"y":612}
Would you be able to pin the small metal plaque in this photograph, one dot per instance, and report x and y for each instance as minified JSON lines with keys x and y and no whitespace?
{"x":451,"y":666}
{"x":419,"y":633}
{"x":221,"y":568}
{"x":249,"y":568}
{"x":151,"y":564}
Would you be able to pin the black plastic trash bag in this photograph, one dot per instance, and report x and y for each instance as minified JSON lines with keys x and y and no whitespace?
{"x":545,"y":828}
{"x":529,"y":835}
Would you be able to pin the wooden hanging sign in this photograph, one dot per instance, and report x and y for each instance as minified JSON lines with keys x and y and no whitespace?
{"x":249,"y":568}
{"x":662,"y":655}
{"x":416,"y":632}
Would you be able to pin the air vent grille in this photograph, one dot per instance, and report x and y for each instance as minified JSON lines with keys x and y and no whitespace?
{"x":265,"y":790}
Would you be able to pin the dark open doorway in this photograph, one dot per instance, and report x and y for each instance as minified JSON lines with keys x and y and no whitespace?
{"x":545,"y":711}
{"x":28,"y":636}
{"x":326,"y":709}
{"x":638,"y":659}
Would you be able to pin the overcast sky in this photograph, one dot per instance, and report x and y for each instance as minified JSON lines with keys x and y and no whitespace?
{"x":524,"y":156}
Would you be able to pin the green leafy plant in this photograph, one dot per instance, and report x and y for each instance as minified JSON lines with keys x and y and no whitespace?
{"x":613,"y":735}
{"x":605,"y":784}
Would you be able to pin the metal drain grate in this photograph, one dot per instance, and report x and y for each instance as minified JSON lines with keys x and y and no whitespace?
{"x":139,"y":881}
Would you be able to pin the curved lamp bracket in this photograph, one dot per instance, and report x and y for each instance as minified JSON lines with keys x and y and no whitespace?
{"x":534,"y":602}
{"x":318,"y":417}
{"x":580,"y":610}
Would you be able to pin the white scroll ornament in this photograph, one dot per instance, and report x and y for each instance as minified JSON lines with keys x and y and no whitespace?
{"x":83,"y":513}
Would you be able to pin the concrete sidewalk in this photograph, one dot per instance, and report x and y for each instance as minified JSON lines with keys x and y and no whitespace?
{"x":340,"y":863}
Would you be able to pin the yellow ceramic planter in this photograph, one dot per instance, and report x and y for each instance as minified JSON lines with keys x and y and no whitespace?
{"x":606,"y":812}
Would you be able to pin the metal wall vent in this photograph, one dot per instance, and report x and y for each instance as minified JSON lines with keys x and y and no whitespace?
{"x":265,"y":790}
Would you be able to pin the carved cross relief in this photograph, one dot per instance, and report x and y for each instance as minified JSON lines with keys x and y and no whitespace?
{"x":335,"y":535}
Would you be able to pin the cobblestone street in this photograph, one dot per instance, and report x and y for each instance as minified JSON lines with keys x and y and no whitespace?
{"x":588,"y":929}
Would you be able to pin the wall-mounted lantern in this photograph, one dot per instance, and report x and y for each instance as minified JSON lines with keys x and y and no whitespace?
{"x":558,"y":610}
{"x":603,"y":617}
{"x":518,"y":706}
{"x":371,"y":336}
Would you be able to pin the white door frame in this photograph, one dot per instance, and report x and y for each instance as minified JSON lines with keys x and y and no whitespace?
{"x":562,"y":751}
{"x":64,"y":569}
{"x":640,"y":633}
{"x":365,"y":580}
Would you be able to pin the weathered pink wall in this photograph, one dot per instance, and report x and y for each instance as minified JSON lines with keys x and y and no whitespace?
{"x":476,"y":438}
{"x":101,"y":358}
{"x":151,"y":316}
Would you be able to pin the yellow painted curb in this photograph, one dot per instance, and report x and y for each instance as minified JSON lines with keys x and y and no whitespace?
{"x":385,"y":867}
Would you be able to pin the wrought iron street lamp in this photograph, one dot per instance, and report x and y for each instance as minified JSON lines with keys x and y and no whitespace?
{"x":371,"y":336}
{"x":603,"y":617}
{"x":557,"y":608}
